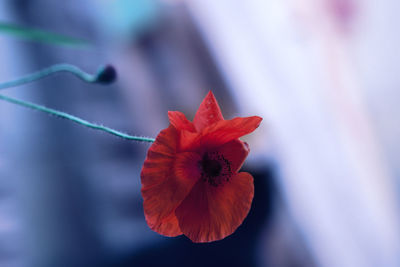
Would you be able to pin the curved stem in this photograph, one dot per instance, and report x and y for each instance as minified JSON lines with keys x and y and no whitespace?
{"x":75,"y":119}
{"x":105,"y":74}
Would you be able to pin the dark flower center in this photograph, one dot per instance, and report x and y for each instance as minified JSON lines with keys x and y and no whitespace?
{"x":215,"y":169}
{"x":211,"y":167}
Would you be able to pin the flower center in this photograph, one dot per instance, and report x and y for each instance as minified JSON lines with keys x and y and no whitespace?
{"x":211,"y":167}
{"x":215,"y":169}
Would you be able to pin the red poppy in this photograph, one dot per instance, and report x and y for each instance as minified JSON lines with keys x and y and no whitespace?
{"x":190,"y":179}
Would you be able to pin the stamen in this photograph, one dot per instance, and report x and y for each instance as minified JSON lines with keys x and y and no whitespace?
{"x":215,"y":168}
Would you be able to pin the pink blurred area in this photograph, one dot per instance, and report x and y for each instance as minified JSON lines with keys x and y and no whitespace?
{"x":322,"y":74}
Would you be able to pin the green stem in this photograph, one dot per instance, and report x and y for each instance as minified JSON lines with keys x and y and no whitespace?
{"x":42,"y":36}
{"x":105,"y":74}
{"x":74,"y":119}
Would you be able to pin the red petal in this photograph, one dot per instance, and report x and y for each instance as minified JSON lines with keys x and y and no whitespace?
{"x":228,"y":130}
{"x":160,"y":157}
{"x":208,"y":113}
{"x":179,"y":121}
{"x":167,"y":179}
{"x":211,"y":213}
{"x":235,"y":152}
{"x":219,"y":133}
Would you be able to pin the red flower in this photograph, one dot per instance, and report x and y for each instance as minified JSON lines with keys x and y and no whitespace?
{"x":190,"y":179}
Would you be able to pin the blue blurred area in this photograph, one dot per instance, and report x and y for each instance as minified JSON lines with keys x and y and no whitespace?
{"x":127,"y":19}
{"x":324,"y":159}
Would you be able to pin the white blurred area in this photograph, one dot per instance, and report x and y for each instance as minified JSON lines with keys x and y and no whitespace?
{"x":324,"y":75}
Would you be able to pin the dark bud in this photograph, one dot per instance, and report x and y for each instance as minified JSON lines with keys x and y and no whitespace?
{"x":106,"y":75}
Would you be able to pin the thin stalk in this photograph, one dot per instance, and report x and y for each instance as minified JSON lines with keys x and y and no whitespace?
{"x":105,"y":74}
{"x":75,"y":119}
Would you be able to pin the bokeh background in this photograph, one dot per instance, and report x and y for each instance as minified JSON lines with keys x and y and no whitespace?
{"x":322,"y":73}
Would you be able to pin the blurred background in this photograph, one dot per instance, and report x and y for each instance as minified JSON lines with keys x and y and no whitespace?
{"x":322,"y":74}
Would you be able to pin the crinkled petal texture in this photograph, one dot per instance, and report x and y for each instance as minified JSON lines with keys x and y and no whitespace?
{"x":166,"y":181}
{"x":180,"y":122}
{"x":208,"y":113}
{"x":235,"y":152}
{"x":190,"y":179}
{"x":211,"y":213}
{"x":218,"y":133}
